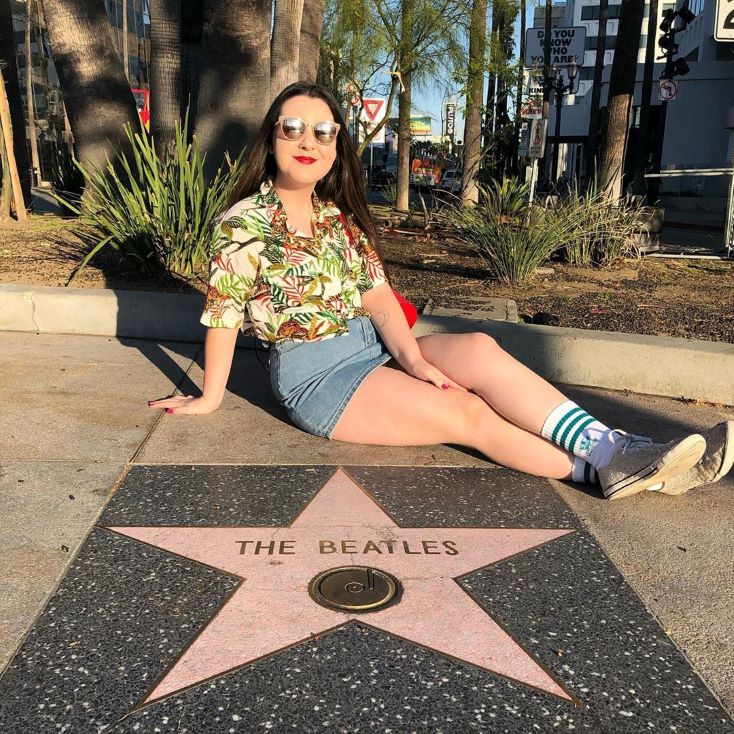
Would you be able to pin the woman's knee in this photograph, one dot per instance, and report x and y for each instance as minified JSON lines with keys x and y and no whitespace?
{"x":481,"y":341}
{"x":472,"y":417}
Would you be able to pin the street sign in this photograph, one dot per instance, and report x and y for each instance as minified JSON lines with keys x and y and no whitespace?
{"x":724,"y":26}
{"x":373,"y":110}
{"x":523,"y":146}
{"x":538,"y":130}
{"x":532,"y":86}
{"x":532,"y":95}
{"x":567,"y":45}
{"x":450,"y":121}
{"x":668,"y":91}
{"x":352,"y":94}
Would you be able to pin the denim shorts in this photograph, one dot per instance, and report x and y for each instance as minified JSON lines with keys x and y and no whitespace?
{"x":314,"y":380}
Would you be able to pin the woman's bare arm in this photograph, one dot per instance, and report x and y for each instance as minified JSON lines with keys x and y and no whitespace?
{"x":219,"y":347}
{"x":389,"y":320}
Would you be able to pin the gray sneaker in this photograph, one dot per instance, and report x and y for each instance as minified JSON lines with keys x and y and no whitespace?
{"x":638,"y":463}
{"x":716,"y":462}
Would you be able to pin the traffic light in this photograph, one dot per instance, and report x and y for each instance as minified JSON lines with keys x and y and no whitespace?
{"x":677,"y":67}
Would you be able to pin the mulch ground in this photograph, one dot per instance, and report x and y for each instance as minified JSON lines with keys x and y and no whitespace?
{"x":684,"y":298}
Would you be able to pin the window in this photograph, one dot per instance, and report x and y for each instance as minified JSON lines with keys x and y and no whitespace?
{"x":591,"y":12}
{"x":592,"y":42}
{"x":586,"y":73}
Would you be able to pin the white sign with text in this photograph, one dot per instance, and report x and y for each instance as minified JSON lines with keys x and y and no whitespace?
{"x":567,"y":45}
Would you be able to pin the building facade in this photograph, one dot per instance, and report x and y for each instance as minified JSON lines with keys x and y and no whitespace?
{"x":694,"y":131}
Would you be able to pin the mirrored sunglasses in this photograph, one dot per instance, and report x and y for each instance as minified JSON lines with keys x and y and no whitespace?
{"x":294,"y":128}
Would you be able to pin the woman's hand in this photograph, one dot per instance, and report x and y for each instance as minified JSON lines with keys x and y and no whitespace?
{"x":426,"y":371}
{"x":184,"y":404}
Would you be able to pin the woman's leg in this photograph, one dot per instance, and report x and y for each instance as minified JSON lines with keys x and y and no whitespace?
{"x":625,"y":463}
{"x":392,"y":408}
{"x":477,"y":362}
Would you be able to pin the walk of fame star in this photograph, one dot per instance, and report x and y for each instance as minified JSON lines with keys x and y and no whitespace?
{"x":342,"y":525}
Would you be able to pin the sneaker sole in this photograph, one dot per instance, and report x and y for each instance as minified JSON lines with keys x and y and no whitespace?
{"x":680,"y":458}
{"x":727,"y":461}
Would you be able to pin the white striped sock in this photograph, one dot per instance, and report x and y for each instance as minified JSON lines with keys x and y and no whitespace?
{"x":583,"y":472}
{"x":573,"y":429}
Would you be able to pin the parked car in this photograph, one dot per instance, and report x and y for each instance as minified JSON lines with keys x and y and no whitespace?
{"x":451,"y":181}
{"x":381,"y":177}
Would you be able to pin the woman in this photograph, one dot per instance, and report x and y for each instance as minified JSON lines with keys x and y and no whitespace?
{"x":297,"y":248}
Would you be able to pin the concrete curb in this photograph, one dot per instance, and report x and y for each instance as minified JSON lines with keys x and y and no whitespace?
{"x":666,"y":366}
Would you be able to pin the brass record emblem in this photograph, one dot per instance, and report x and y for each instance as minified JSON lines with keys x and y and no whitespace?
{"x":354,"y":589}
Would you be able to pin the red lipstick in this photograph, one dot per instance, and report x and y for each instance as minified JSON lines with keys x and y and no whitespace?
{"x":305,"y":159}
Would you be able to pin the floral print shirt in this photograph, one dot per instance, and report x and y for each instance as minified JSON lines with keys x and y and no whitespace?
{"x":293,"y":286}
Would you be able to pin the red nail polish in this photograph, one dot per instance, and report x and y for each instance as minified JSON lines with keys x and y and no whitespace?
{"x":445,"y":387}
{"x":169,"y":410}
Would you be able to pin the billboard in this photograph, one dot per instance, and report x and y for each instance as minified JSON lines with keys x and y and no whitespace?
{"x":567,"y":45}
{"x":418,"y":125}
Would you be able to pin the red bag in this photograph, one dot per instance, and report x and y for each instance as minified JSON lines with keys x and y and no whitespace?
{"x":410,"y":311}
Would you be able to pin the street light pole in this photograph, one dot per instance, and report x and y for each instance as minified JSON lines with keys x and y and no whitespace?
{"x":556,"y":83}
{"x":558,"y":89}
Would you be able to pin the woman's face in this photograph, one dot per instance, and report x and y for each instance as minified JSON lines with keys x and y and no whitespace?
{"x":303,"y":162}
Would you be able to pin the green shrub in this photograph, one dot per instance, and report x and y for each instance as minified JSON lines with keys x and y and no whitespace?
{"x":604,"y":232}
{"x":390,"y":192}
{"x":66,"y":178}
{"x":512,"y":237}
{"x":162,"y":212}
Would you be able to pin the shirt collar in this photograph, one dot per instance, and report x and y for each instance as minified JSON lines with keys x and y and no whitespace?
{"x":322,"y":210}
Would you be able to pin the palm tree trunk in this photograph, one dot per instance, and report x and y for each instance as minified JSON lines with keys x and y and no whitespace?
{"x":125,"y":47}
{"x":192,"y":22}
{"x":490,"y":104}
{"x":30,"y":96}
{"x":96,"y":94}
{"x":639,"y":185}
{"x":621,"y":89}
{"x":310,"y":40}
{"x":234,"y":87}
{"x":405,"y":65}
{"x":518,"y":97}
{"x":474,"y":88}
{"x":505,"y":32}
{"x":12,"y":88}
{"x":543,"y":162}
{"x":595,"y":113}
{"x":165,"y":72}
{"x":284,"y":50}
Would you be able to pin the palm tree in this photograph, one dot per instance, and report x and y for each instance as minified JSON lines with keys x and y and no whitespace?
{"x":165,"y":72}
{"x":309,"y":41}
{"x":474,"y":90}
{"x":591,"y":147}
{"x":284,"y":50}
{"x":30,"y":96}
{"x":96,"y":93}
{"x":518,"y":98}
{"x":621,"y":89}
{"x":643,"y":139}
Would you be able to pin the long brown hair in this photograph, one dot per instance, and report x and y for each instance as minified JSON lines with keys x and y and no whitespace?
{"x":342,"y":185}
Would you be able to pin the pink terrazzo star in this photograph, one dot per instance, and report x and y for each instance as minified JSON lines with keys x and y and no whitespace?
{"x":343,"y":525}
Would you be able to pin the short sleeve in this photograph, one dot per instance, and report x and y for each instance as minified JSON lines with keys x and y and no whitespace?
{"x":233,"y":268}
{"x":372,"y":272}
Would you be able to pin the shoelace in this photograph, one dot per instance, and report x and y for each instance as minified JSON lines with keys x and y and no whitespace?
{"x":631,"y":441}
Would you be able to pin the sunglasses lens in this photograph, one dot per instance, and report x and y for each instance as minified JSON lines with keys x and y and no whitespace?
{"x":324,"y":132}
{"x":293,"y":128}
